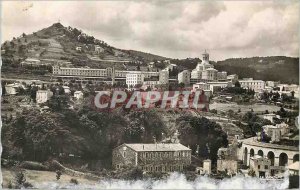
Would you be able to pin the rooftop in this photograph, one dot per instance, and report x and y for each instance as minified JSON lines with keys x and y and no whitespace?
{"x":157,"y":147}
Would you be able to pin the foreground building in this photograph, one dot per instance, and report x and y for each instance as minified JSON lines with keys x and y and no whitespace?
{"x":152,"y":157}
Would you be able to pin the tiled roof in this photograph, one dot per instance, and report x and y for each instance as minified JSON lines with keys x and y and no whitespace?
{"x":157,"y":147}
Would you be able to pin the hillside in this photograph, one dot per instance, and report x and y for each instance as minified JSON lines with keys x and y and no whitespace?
{"x":276,"y":68}
{"x":62,"y":43}
{"x":146,"y":56}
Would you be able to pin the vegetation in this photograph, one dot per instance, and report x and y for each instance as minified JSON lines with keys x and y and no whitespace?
{"x":83,"y":132}
{"x":275,"y":68}
{"x":74,"y":181}
{"x":202,"y":135}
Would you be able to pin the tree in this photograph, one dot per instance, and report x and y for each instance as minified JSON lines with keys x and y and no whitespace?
{"x":201,"y":132}
{"x":237,"y":84}
{"x":58,"y":174}
{"x":293,"y":94}
{"x":33,"y":91}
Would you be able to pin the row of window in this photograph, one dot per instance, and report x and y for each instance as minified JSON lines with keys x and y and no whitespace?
{"x":266,"y":167}
{"x":163,"y":154}
{"x":162,"y":168}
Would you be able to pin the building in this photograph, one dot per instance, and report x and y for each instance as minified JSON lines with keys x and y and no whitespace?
{"x":89,"y":73}
{"x":214,"y":86}
{"x":233,"y":78}
{"x":78,"y":95}
{"x":98,"y":49}
{"x":31,"y":61}
{"x":66,"y":89}
{"x":201,"y":86}
{"x":78,"y":48}
{"x":249,"y":83}
{"x":164,"y":77}
{"x":204,"y":71}
{"x":207,"y":167}
{"x":229,"y":166}
{"x":11,"y":89}
{"x":150,"y":83}
{"x":134,"y":78}
{"x":210,"y":74}
{"x":201,"y":67}
{"x":152,"y":157}
{"x":276,"y":132}
{"x":280,"y":155}
{"x":43,"y":96}
{"x":184,"y":77}
{"x":294,"y":168}
{"x":272,"y":83}
{"x":260,"y":165}
{"x":222,"y":76}
{"x":271,"y":116}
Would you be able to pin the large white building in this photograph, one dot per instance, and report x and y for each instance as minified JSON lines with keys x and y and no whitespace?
{"x":249,"y":83}
{"x":134,"y":78}
{"x":204,"y":71}
{"x":97,"y":73}
{"x":184,"y":77}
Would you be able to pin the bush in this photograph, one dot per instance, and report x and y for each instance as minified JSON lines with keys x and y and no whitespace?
{"x":74,"y":181}
{"x":58,"y":174}
{"x":19,"y":179}
{"x":9,"y":185}
{"x":27,"y":185}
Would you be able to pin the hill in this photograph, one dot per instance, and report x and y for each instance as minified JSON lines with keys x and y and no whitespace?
{"x":67,"y":43}
{"x":146,"y":56}
{"x":275,"y":68}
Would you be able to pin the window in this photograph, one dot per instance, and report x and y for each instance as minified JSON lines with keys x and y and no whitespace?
{"x":124,"y":154}
{"x":266,"y":167}
{"x":258,"y":166}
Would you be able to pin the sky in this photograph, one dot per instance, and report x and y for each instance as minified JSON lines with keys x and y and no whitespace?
{"x":174,"y":29}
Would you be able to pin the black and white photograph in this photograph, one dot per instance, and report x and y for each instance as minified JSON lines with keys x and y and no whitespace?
{"x":157,"y":94}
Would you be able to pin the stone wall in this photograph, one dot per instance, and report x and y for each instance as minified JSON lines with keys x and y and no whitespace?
{"x":230,"y":166}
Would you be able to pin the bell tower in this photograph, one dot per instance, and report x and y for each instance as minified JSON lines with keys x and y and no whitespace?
{"x":205,"y":57}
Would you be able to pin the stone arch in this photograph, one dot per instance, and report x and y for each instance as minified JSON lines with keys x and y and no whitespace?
{"x":251,"y":152}
{"x":283,"y":159}
{"x":296,"y":158}
{"x":271,"y":156}
{"x":260,"y":153}
{"x":245,"y":155}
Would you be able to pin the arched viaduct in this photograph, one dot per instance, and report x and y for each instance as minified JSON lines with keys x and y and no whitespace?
{"x":280,"y":155}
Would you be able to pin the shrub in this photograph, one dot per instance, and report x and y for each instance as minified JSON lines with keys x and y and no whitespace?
{"x":27,"y":185}
{"x":20,"y":179}
{"x":58,"y":174}
{"x":9,"y":185}
{"x":74,"y":181}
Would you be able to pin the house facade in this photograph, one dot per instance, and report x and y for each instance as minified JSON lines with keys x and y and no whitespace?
{"x":152,"y":157}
